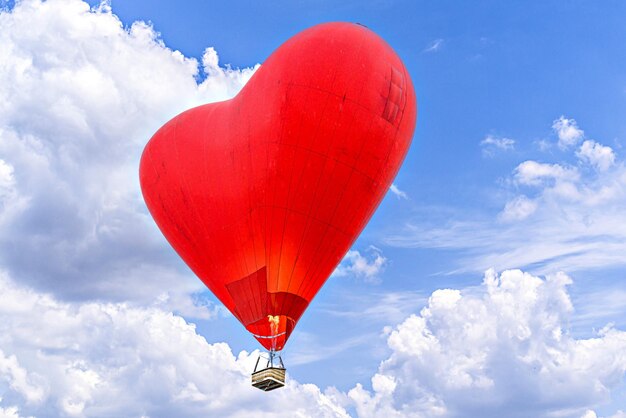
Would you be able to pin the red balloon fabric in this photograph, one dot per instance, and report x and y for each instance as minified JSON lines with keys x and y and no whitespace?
{"x":263,"y":194}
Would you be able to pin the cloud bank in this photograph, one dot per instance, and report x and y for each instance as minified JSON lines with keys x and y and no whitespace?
{"x":80,"y":95}
{"x":111,"y":359}
{"x":502,"y":349}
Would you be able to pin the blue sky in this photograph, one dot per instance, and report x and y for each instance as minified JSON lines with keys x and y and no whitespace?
{"x":516,"y":163}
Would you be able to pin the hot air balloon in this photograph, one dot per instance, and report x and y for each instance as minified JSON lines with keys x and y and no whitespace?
{"x":262,"y":195}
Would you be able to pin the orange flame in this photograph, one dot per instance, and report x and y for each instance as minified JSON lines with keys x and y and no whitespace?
{"x":274,"y":320}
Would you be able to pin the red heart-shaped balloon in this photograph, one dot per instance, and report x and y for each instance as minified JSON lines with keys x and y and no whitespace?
{"x":263,"y":194}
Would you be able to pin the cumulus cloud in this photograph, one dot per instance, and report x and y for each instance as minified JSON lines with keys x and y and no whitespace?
{"x":221,"y":82}
{"x":366,"y":267}
{"x":533,"y":173}
{"x":599,"y":156}
{"x":501,"y":350}
{"x":111,"y":359}
{"x":492,"y":144}
{"x":79,"y":97}
{"x":567,"y":131}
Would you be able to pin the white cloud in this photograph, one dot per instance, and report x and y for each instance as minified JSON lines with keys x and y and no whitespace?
{"x":10,"y":202}
{"x":591,"y":414}
{"x":533,"y":173}
{"x":492,"y":144}
{"x":500,"y":350}
{"x":79,"y":97}
{"x":434,"y":46}
{"x":222,"y":82}
{"x":543,"y":145}
{"x":399,"y":193}
{"x":19,"y":379}
{"x":111,"y":359}
{"x":9,"y":412}
{"x":556,"y":217}
{"x":568,"y":132}
{"x":517,"y":209}
{"x":357,"y":265}
{"x":598,"y":155}
{"x":7,"y":180}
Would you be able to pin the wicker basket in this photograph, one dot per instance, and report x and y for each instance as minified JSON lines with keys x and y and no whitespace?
{"x":269,"y":379}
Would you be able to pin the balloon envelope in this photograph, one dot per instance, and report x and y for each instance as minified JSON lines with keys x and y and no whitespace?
{"x":263,"y":194}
